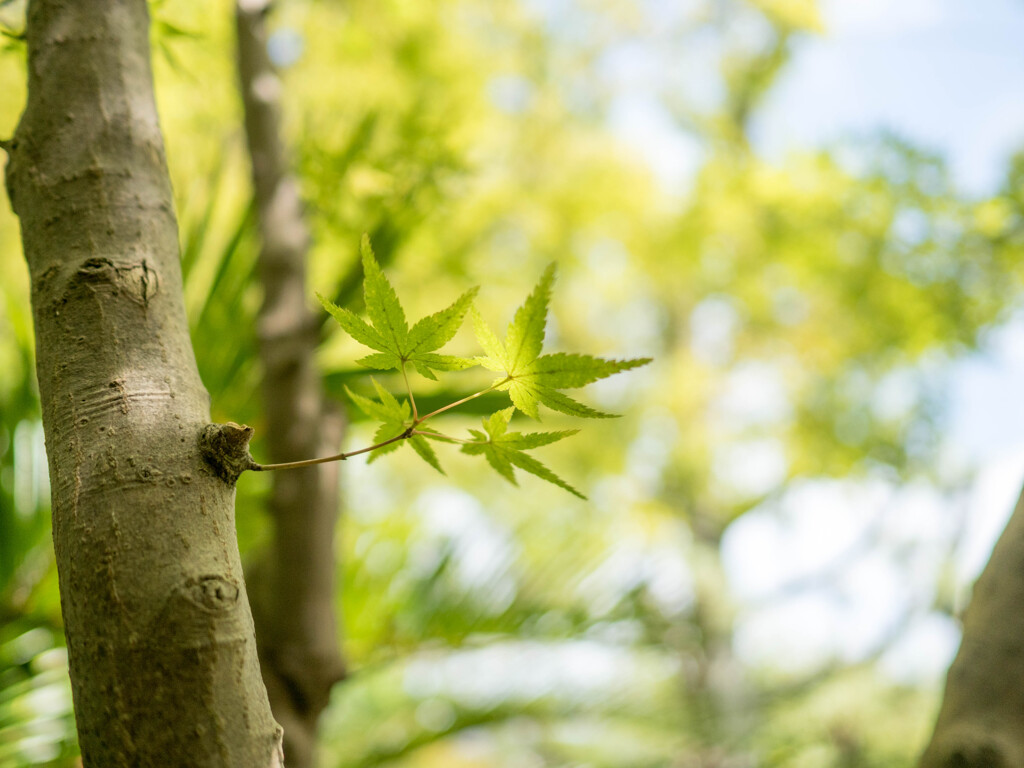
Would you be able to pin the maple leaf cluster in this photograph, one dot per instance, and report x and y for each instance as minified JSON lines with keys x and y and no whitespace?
{"x":530,"y":378}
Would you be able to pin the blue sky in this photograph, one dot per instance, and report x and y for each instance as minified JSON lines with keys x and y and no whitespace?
{"x":947,"y":75}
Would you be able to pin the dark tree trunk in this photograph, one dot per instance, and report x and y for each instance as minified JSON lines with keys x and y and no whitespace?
{"x":981,"y":722}
{"x":295,"y":620}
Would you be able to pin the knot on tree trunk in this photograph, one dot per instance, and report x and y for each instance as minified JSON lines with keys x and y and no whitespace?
{"x":226,"y":448}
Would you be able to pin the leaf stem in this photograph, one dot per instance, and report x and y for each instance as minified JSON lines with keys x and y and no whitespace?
{"x":421,"y":419}
{"x":337,"y":457}
{"x":439,"y":436}
{"x":412,"y":398}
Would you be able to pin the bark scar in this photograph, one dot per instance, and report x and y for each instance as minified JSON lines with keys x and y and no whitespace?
{"x":226,"y":448}
{"x":213,"y":594}
{"x":139,"y":281}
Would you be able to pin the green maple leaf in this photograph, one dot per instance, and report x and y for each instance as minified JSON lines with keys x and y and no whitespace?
{"x":389,"y":333}
{"x":396,"y":419}
{"x":505,"y":450}
{"x":532,"y":378}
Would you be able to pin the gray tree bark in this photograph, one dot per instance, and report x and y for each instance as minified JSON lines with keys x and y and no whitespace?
{"x":981,"y":721}
{"x":160,"y":638}
{"x":294,"y":603}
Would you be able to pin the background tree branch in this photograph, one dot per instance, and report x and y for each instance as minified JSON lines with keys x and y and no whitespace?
{"x":295,"y":621}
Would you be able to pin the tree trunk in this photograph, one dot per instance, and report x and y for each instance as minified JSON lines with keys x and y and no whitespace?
{"x":981,"y":722}
{"x":715,"y":693}
{"x":160,"y":638}
{"x":294,"y":609}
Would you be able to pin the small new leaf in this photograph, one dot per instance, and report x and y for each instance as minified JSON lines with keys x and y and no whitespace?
{"x":532,"y":379}
{"x":389,"y":333}
{"x":505,"y":450}
{"x":395,"y":418}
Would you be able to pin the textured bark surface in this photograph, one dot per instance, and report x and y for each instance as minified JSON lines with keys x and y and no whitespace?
{"x":160,"y":638}
{"x":981,"y":722}
{"x":295,"y":620}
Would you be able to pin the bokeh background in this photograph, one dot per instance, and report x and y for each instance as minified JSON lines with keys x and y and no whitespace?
{"x":810,"y":214}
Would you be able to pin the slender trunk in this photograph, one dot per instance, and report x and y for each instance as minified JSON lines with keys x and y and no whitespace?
{"x":714,"y":688}
{"x":295,"y":621}
{"x":981,"y":722}
{"x":160,"y":638}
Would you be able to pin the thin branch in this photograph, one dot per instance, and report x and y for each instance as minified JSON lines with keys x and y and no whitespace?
{"x":460,"y":402}
{"x":337,"y":457}
{"x":417,"y":420}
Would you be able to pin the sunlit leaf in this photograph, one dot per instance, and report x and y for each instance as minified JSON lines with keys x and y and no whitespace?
{"x":504,"y":450}
{"x":388,"y":332}
{"x":532,"y":379}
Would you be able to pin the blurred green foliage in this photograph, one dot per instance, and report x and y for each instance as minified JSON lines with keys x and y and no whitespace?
{"x":487,"y":626}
